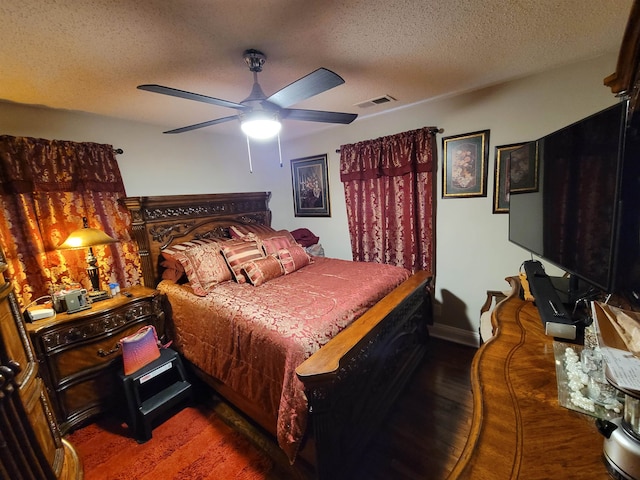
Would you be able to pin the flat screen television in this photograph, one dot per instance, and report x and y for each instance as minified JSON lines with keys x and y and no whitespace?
{"x":578,"y":206}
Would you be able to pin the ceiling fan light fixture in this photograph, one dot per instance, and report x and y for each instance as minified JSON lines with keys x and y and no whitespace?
{"x":260,"y":125}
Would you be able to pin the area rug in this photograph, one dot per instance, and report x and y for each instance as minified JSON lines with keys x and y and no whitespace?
{"x":193,"y":444}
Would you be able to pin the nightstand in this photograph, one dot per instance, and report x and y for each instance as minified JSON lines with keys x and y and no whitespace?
{"x":79,"y":355}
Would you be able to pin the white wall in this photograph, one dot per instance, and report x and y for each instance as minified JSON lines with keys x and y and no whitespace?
{"x":473,"y":253}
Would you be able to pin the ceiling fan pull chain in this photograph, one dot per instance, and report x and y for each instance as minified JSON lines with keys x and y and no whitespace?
{"x":279,"y":149}
{"x":249,"y":150}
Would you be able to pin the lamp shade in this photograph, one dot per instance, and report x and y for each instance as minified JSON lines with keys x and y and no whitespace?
{"x":86,"y":237}
{"x":261,"y":125}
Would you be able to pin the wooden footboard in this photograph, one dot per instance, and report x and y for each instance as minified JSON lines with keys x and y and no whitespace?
{"x":353,"y":380}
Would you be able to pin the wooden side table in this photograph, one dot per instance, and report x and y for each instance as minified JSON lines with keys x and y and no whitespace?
{"x":79,"y":355}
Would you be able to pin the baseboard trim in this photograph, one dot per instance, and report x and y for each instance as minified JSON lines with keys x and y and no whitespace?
{"x":454,"y":334}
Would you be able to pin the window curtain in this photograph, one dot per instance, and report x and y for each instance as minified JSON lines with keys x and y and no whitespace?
{"x":47,"y":187}
{"x":390,"y":198}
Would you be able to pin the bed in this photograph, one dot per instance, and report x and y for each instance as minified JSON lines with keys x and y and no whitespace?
{"x":328,"y":369}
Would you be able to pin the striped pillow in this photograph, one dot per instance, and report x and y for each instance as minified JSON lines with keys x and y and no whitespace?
{"x":237,"y":253}
{"x":174,"y":259}
{"x":293,"y":258}
{"x":273,"y":241}
{"x":239,"y":231}
{"x":262,"y":270}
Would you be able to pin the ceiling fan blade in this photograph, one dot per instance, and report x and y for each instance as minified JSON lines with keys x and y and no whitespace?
{"x":318,"y":116}
{"x":202,"y":125}
{"x":174,"y":92}
{"x":316,"y":82}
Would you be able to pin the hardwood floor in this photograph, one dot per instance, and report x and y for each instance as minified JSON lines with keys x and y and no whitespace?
{"x":423,"y":436}
{"x":425,"y":433}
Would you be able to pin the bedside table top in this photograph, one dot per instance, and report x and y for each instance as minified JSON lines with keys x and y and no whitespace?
{"x":98,"y":308}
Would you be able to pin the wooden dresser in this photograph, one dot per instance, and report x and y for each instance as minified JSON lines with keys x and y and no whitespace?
{"x":518,"y":428}
{"x":30,"y":443}
{"x":79,"y":355}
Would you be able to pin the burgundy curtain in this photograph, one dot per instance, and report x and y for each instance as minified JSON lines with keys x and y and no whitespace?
{"x":46,"y":187}
{"x":390,"y":192}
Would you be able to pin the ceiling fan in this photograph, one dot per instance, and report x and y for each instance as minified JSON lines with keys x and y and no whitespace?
{"x":260,"y":115}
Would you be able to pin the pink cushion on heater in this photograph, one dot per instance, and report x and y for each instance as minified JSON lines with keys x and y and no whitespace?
{"x":262,"y":270}
{"x":293,"y":258}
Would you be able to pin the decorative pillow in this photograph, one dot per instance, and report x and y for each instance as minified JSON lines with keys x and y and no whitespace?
{"x":173,"y":261}
{"x":237,"y":253}
{"x":205,"y":267}
{"x":239,"y":231}
{"x":171,"y":250}
{"x":262,"y":270}
{"x":271,"y":242}
{"x":293,"y":258}
{"x":171,"y":269}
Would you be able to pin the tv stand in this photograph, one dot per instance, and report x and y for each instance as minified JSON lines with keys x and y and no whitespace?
{"x":556,"y":319}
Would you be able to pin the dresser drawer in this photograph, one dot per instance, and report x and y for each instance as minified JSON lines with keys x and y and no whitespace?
{"x":69,"y":335}
{"x":86,"y":356}
{"x":80,"y":400}
{"x":78,"y":352}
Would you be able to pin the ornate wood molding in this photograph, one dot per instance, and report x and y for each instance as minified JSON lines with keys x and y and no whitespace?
{"x":626,"y":79}
{"x":159,"y":221}
{"x":70,"y":334}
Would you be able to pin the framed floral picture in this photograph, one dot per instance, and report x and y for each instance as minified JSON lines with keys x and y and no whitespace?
{"x":464,"y":172}
{"x":310,"y":177}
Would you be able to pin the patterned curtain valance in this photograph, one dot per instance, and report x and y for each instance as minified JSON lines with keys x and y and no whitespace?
{"x":46,"y":188}
{"x":38,"y":165}
{"x":390,"y":156}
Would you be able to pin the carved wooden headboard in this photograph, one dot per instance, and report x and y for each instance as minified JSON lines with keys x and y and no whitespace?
{"x":157,"y":222}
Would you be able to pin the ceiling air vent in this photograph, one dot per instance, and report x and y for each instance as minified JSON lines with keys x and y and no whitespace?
{"x":376,"y":101}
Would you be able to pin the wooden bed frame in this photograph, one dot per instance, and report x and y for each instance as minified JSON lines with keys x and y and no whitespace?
{"x":353,"y":380}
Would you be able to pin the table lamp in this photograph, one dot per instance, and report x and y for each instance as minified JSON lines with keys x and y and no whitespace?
{"x":86,"y":237}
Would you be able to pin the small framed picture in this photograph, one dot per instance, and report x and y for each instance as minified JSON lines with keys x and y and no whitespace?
{"x":516,"y":169}
{"x":464,"y":173}
{"x":310,"y":177}
{"x":523,"y":168}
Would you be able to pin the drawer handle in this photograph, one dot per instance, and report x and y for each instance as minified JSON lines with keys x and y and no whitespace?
{"x":102,"y":353}
{"x":75,"y":334}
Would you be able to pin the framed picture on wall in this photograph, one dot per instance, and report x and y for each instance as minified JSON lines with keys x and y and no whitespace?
{"x":464,"y":172}
{"x":523,"y":168}
{"x":501,"y":181}
{"x":310,"y":178}
{"x":516,"y":169}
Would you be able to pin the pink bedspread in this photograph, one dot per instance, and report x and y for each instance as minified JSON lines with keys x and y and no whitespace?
{"x":253,"y":338}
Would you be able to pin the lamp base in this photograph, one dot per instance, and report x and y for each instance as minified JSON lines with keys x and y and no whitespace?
{"x":96,"y":296}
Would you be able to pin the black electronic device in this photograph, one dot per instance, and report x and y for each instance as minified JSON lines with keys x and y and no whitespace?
{"x":556,"y":319}
{"x":581,"y":213}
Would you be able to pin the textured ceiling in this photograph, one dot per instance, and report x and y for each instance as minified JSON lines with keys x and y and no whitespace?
{"x":90,"y":55}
